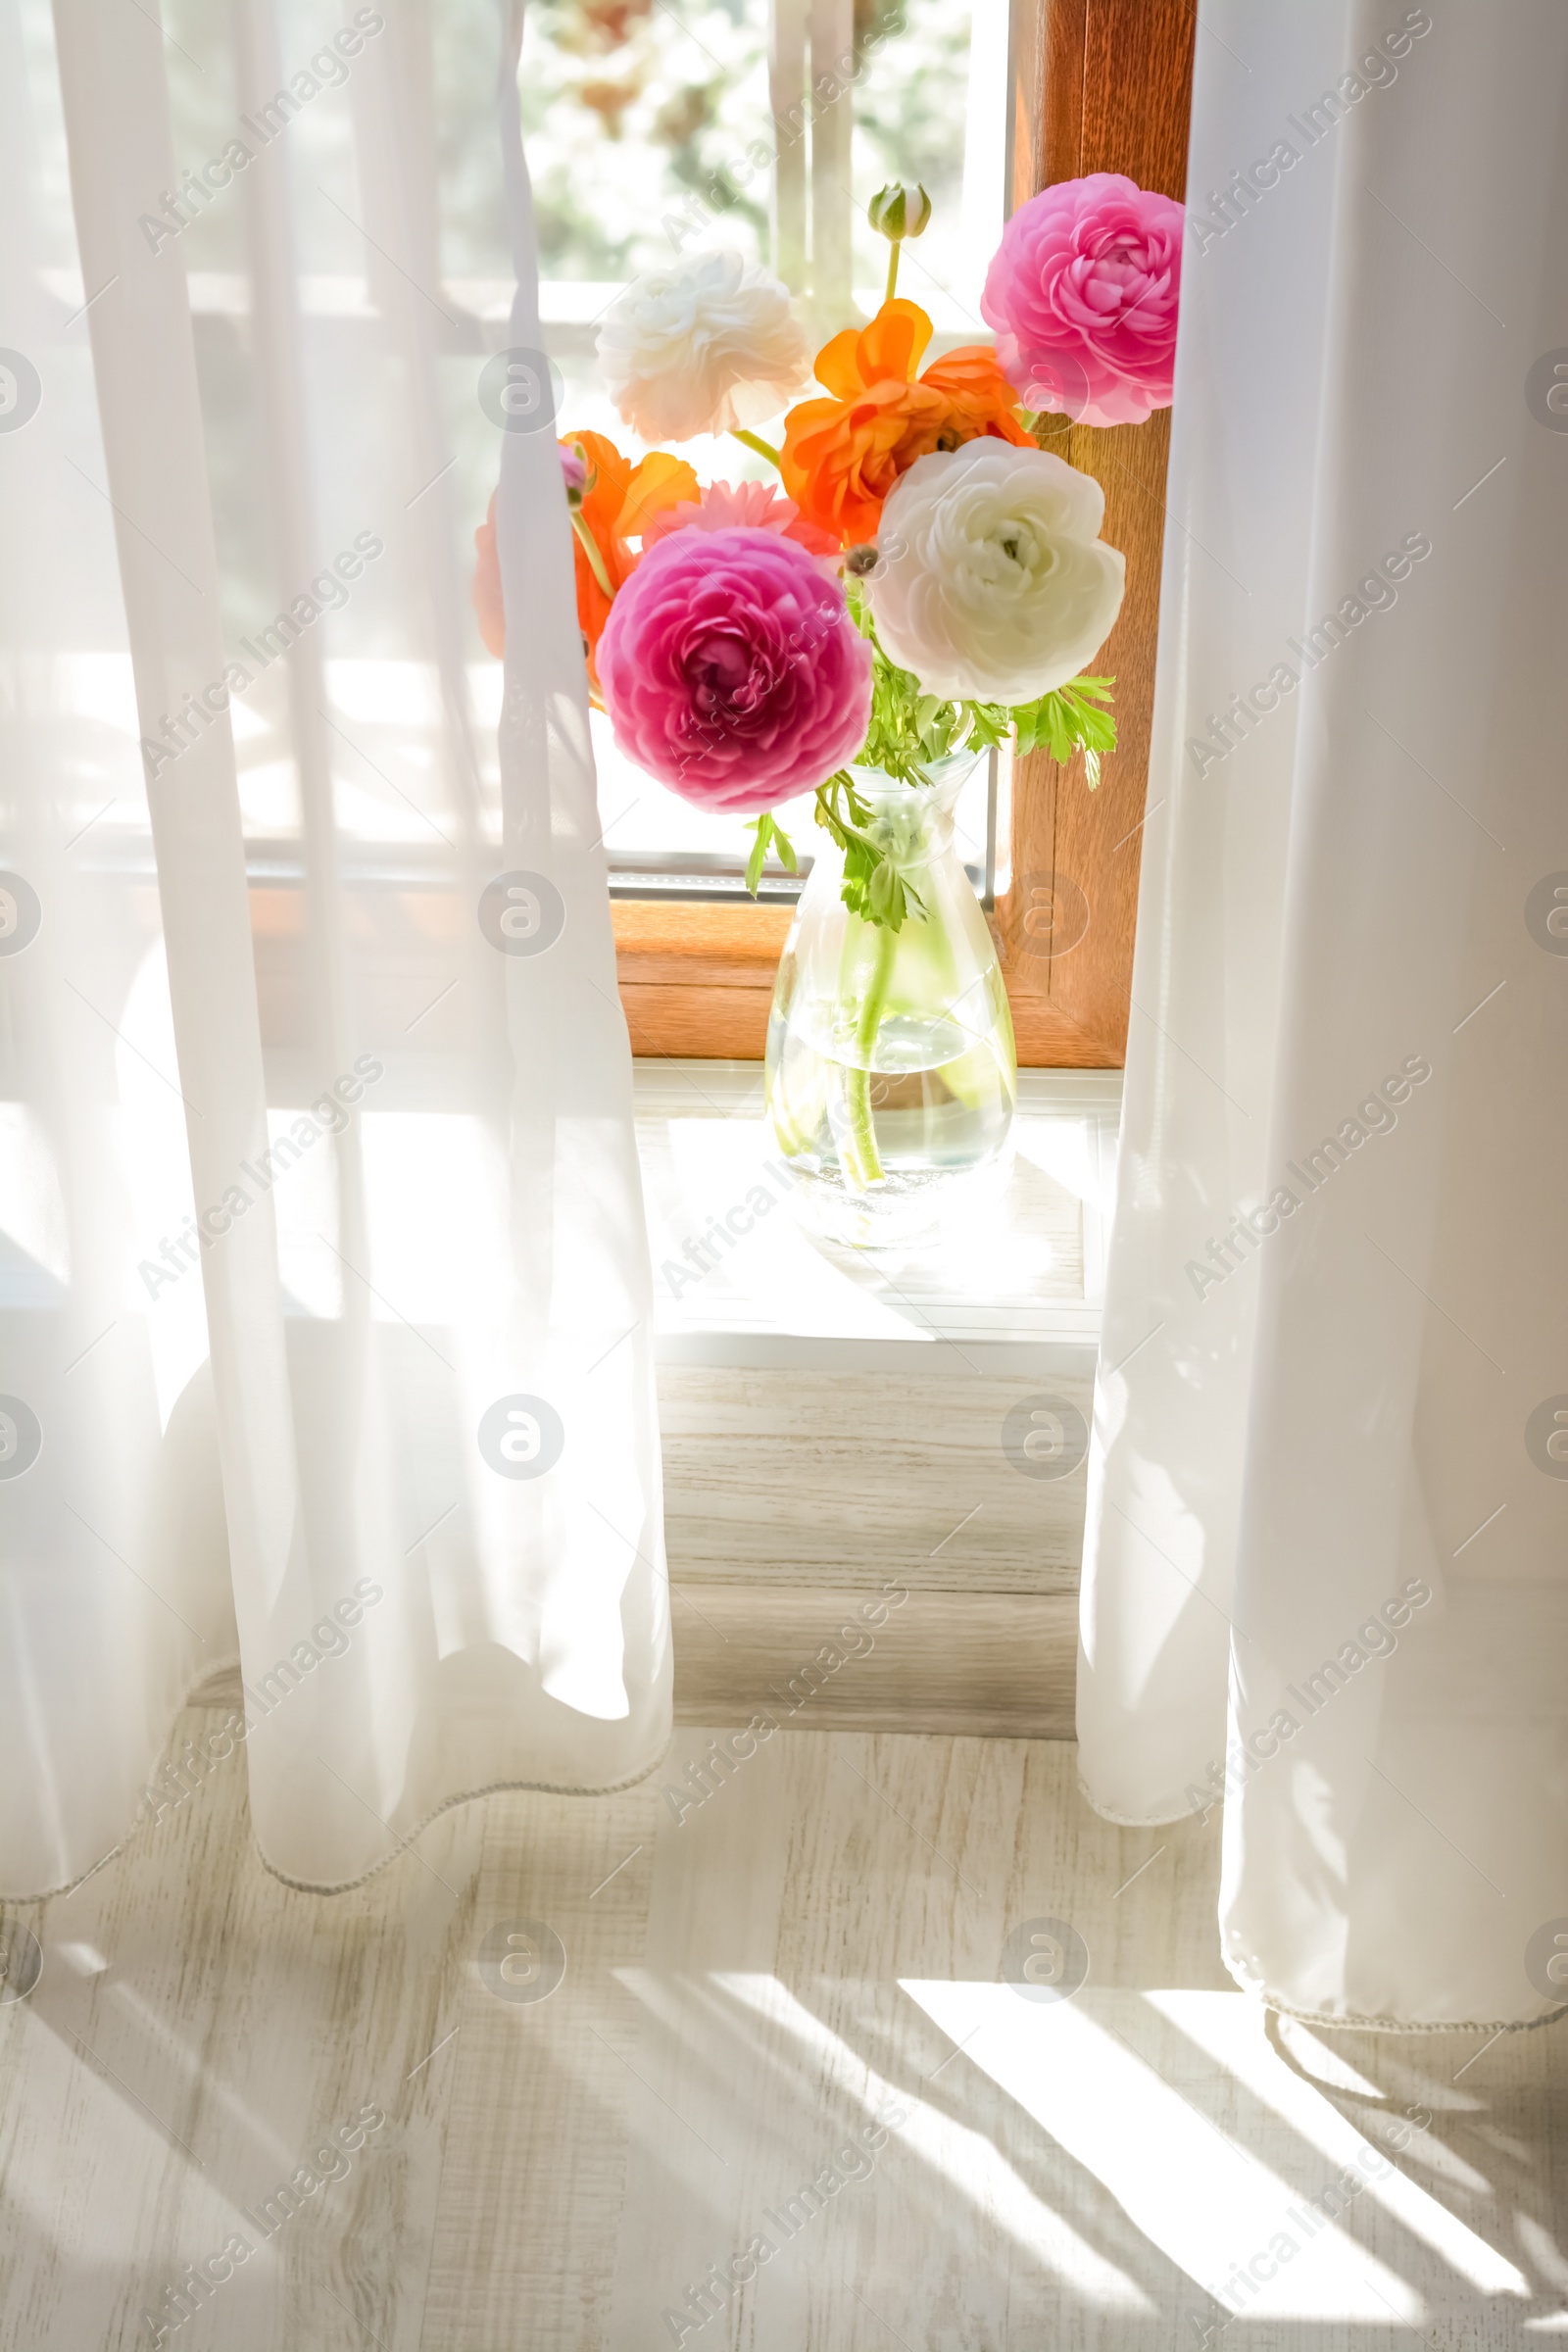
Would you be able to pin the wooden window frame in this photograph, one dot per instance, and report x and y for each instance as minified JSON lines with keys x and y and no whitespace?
{"x":1094,"y":85}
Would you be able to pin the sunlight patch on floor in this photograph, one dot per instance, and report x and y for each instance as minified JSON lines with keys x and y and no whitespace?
{"x":951,"y":2150}
{"x":1210,"y":2204}
{"x":1230,"y":2031}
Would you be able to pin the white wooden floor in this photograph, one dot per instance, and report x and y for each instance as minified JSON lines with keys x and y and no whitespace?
{"x":752,"y":1996}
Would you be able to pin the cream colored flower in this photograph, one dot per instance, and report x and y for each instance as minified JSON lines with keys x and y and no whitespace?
{"x":701,"y":347}
{"x":994,"y":584}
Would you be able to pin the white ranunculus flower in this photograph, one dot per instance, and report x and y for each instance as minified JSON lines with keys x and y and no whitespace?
{"x":701,"y":347}
{"x":995,"y":585}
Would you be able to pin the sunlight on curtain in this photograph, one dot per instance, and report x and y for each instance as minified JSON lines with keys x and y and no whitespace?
{"x":309,"y":1174}
{"x":1333,"y":1336}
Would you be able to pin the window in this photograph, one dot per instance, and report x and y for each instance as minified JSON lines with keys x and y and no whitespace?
{"x":654,"y":123}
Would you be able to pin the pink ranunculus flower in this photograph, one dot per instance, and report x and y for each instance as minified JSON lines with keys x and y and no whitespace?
{"x":743,"y":506}
{"x":1083,"y":293}
{"x":732,"y":671}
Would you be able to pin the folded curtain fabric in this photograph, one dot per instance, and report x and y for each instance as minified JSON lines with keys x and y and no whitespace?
{"x":325,"y":1343}
{"x":1327,"y":1553}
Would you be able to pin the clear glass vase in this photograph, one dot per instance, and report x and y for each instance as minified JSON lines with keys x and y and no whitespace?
{"x":891,"y":1069}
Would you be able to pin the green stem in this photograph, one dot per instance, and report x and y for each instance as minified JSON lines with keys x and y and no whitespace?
{"x":892,"y":269}
{"x":792,"y":1137}
{"x":590,"y":547}
{"x":868,"y":1168}
{"x":764,"y":449}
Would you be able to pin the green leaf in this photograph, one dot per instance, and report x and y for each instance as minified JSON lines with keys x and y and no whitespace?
{"x":772,"y":835}
{"x":763,"y":827}
{"x":1067,"y":720}
{"x":985,"y":724}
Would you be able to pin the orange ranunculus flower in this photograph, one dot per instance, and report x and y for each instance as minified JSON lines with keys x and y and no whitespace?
{"x":622,"y":499}
{"x":842,"y":455}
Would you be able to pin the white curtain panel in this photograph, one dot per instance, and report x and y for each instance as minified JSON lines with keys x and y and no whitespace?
{"x":317,"y":1162}
{"x":1327,"y":1553}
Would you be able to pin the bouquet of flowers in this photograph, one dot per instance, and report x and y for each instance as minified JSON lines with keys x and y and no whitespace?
{"x":925,"y":580}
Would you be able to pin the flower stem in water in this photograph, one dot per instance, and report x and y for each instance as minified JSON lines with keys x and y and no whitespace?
{"x":862,"y":1167}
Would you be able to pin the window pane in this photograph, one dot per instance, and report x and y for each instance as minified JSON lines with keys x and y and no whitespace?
{"x":650,"y":134}
{"x":653,"y":127}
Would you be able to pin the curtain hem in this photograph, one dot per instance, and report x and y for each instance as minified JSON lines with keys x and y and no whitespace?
{"x":68,"y":1887}
{"x":1354,"y":2022}
{"x":1351,"y":2020}
{"x":465,"y":1796}
{"x":1137,"y":1821}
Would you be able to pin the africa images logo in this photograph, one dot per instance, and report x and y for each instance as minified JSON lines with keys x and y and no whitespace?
{"x":522,"y":1437}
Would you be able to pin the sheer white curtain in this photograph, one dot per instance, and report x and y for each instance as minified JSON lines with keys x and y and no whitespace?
{"x":378,"y":1091}
{"x":1327,"y":1451}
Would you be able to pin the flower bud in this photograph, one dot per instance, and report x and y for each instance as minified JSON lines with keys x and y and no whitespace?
{"x":898,"y":212}
{"x":578,"y":474}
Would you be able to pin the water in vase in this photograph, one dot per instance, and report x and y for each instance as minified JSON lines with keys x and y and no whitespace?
{"x":891,"y":1069}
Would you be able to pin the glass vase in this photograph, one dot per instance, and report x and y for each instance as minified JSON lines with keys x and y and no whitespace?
{"x":891,"y":1069}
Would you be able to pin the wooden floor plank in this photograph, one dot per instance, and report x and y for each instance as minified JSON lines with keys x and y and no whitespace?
{"x":776,"y":1957}
{"x":533,"y":2188}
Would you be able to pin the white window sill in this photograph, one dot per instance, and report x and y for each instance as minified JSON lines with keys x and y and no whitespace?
{"x":1024,"y":1288}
